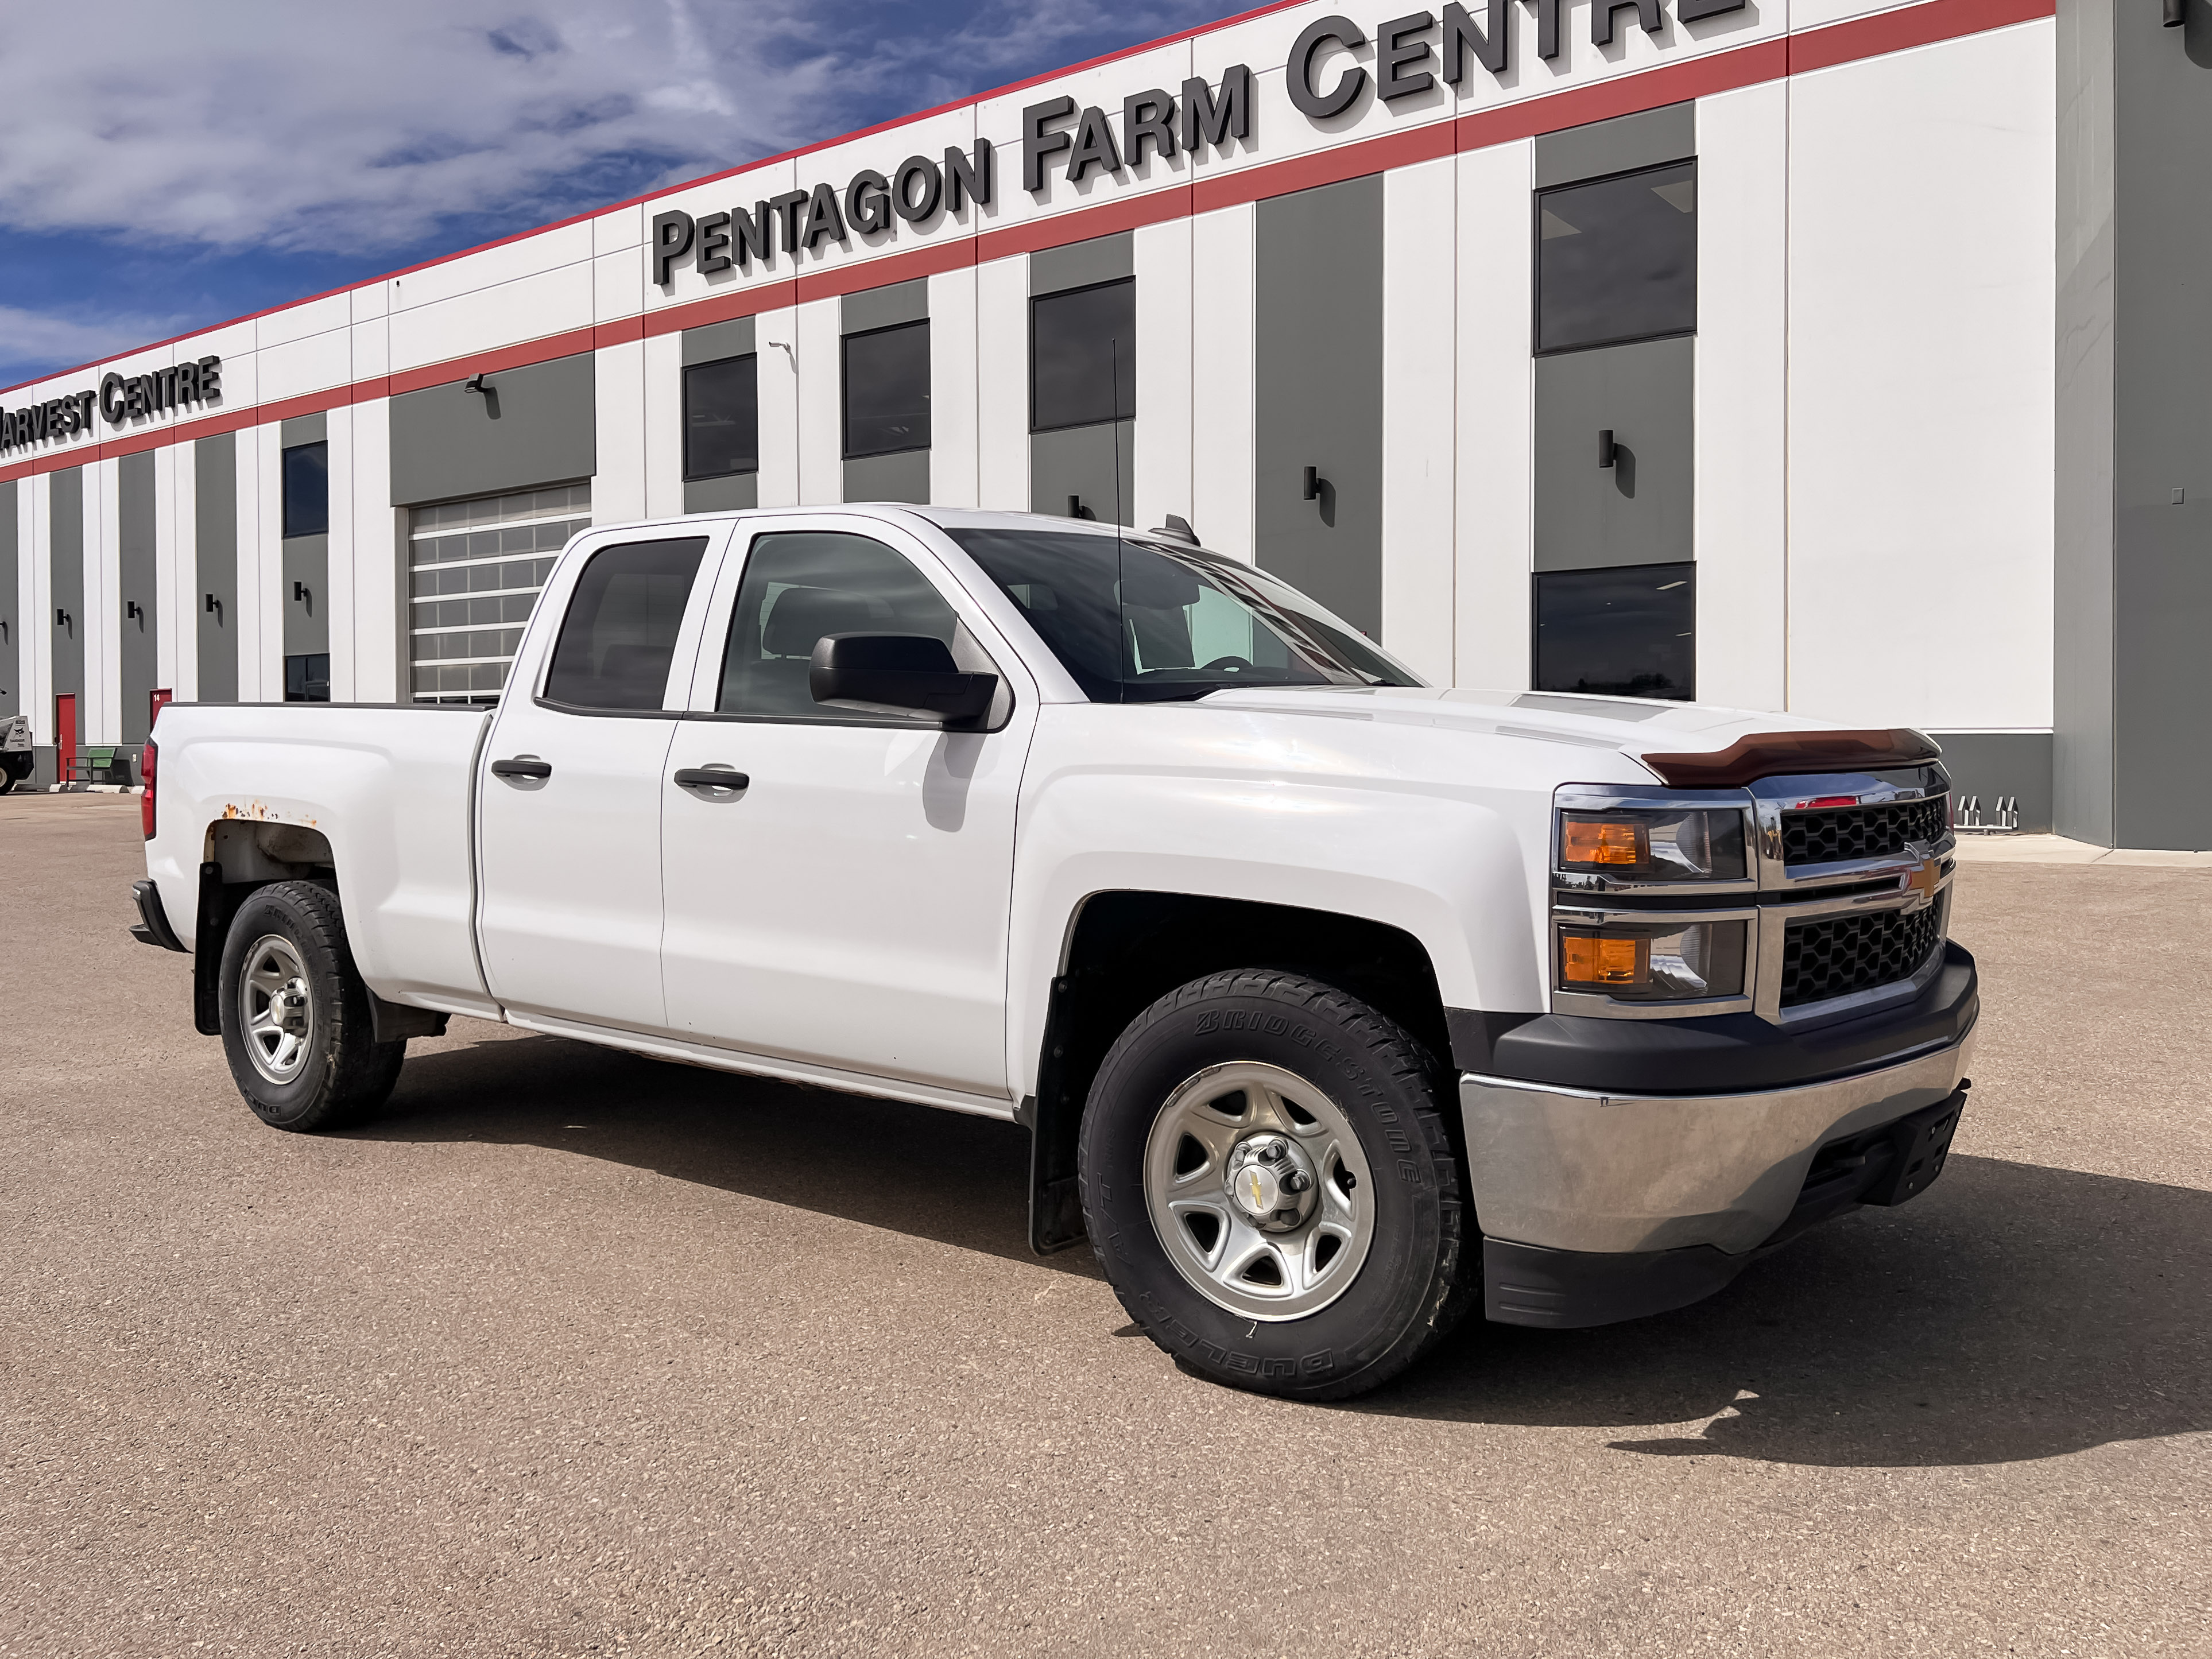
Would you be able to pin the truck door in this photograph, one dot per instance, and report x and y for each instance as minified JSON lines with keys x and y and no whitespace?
{"x":845,"y":907}
{"x":569,"y":795}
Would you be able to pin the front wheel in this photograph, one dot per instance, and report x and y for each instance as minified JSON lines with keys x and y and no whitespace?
{"x":296,"y":1026}
{"x":1268,"y":1179}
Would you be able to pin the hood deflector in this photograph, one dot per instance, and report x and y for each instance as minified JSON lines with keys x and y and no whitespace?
{"x":1780,"y":754}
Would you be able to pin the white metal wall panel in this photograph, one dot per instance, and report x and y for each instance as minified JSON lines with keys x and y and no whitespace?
{"x":1002,"y":384}
{"x":341,"y":576}
{"x":260,"y":566}
{"x":1222,"y":443}
{"x":99,"y":717}
{"x":773,"y":332}
{"x":662,"y":427}
{"x":314,"y":362}
{"x":378,"y":563}
{"x":1741,"y":511}
{"x":619,"y":491}
{"x":1420,"y":265}
{"x":175,"y":569}
{"x":818,"y":348}
{"x":1497,"y":403}
{"x":33,"y":530}
{"x":528,"y":308}
{"x":304,"y":321}
{"x":1921,"y":415}
{"x":953,"y":388}
{"x":1163,"y":438}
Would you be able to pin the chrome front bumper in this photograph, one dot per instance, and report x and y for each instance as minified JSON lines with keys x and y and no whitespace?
{"x":1566,"y":1170}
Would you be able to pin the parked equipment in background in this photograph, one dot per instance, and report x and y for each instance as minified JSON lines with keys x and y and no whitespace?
{"x":16,"y":758}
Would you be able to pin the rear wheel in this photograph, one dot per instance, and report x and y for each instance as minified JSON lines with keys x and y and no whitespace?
{"x":296,"y":1026}
{"x":13,"y":769}
{"x":1268,"y":1181}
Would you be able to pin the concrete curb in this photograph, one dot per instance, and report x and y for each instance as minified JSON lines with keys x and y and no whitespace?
{"x":2057,"y":849}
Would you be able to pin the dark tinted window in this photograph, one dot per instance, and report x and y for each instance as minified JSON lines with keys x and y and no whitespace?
{"x":618,"y":639}
{"x":1135,"y":621}
{"x":1077,"y":340}
{"x":801,"y":584}
{"x":721,"y":417}
{"x":1617,"y":259}
{"x":308,"y":678}
{"x":887,"y":390}
{"x":1630,"y":632}
{"x":308,"y":489}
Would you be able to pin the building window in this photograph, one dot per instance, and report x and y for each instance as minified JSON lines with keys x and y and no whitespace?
{"x":1617,"y":259}
{"x":721,"y":417}
{"x":474,"y":570}
{"x":308,"y":489}
{"x":1627,"y":632}
{"x":618,"y":639}
{"x":887,"y":390}
{"x":308,"y":678}
{"x":1083,"y":356}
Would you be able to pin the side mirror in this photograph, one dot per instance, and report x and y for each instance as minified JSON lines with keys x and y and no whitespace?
{"x":898,"y":674}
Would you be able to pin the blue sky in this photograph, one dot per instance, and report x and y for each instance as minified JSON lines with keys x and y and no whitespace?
{"x":165,"y":167}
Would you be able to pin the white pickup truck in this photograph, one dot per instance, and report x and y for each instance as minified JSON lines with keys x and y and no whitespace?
{"x":1337,"y":1005}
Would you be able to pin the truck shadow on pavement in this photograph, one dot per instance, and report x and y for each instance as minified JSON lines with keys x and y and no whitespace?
{"x":941,"y":1176}
{"x":2014,"y":1312}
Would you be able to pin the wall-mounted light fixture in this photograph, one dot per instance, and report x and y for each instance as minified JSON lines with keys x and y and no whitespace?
{"x":213,"y":606}
{"x":300,"y":592}
{"x":476,"y":383}
{"x":1309,"y":489}
{"x":2177,"y":13}
{"x":131,"y":612}
{"x":1608,"y":451}
{"x":62,"y":619}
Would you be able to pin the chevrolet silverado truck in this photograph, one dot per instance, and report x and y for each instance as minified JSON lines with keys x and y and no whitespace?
{"x":1337,"y":1006}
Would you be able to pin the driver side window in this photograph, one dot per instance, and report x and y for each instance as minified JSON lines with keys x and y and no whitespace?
{"x":796,"y":587}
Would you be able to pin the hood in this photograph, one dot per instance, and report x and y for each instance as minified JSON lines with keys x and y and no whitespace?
{"x":1626,"y":726}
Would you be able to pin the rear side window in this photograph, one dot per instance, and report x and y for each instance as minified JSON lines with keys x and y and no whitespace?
{"x":799,"y":586}
{"x":618,"y":638}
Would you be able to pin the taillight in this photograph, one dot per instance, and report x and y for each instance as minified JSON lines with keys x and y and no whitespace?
{"x":146,"y":800}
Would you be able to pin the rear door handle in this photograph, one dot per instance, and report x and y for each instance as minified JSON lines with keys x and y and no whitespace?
{"x":711,"y":777}
{"x":522,"y":768}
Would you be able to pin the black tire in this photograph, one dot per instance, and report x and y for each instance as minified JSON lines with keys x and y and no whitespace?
{"x":1390,"y":1091}
{"x":338,"y":1073}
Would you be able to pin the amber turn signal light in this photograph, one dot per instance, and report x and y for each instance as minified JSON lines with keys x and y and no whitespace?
{"x":1593,"y":959}
{"x":1604,"y":841}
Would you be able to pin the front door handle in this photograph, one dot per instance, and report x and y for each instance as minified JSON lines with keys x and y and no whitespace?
{"x":522,"y":768}
{"x":711,"y":777}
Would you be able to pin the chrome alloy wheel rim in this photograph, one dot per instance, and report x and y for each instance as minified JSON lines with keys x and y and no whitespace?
{"x":275,"y":1008}
{"x":1259,"y":1191}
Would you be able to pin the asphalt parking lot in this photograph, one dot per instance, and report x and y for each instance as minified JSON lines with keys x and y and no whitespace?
{"x":570,"y":1353}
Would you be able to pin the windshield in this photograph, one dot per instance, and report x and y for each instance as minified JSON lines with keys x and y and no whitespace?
{"x":1139,"y":620}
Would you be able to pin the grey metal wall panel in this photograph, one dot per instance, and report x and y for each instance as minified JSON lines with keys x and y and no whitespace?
{"x":723,"y":495}
{"x":306,"y":596}
{"x":138,"y":640}
{"x":1101,"y":259}
{"x":716,"y":341}
{"x":13,"y":696}
{"x":1318,"y":328}
{"x":1637,"y":510}
{"x":2082,"y":747}
{"x":901,"y":478}
{"x":533,"y":426}
{"x":1990,"y":765}
{"x":1625,"y":142}
{"x":65,"y":515}
{"x":882,"y":307}
{"x":303,"y":430}
{"x":1079,"y":461}
{"x":2163,"y":427}
{"x":215,"y":537}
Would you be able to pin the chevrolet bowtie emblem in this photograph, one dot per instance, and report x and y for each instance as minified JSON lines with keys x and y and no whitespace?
{"x":1921,"y":880}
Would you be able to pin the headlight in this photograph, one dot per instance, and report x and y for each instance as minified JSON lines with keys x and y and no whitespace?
{"x":1672,"y":843}
{"x":1661,"y":962}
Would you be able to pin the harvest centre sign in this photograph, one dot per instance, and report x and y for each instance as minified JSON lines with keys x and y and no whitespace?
{"x":121,"y":397}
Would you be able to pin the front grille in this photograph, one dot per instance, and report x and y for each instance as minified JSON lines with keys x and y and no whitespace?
{"x":1838,"y":833}
{"x":1843,"y":954}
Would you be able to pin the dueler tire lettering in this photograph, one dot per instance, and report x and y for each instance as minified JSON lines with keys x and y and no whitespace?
{"x":1408,"y":1289}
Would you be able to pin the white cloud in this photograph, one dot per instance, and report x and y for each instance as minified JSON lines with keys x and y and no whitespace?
{"x":43,"y":337}
{"x":235,"y":124}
